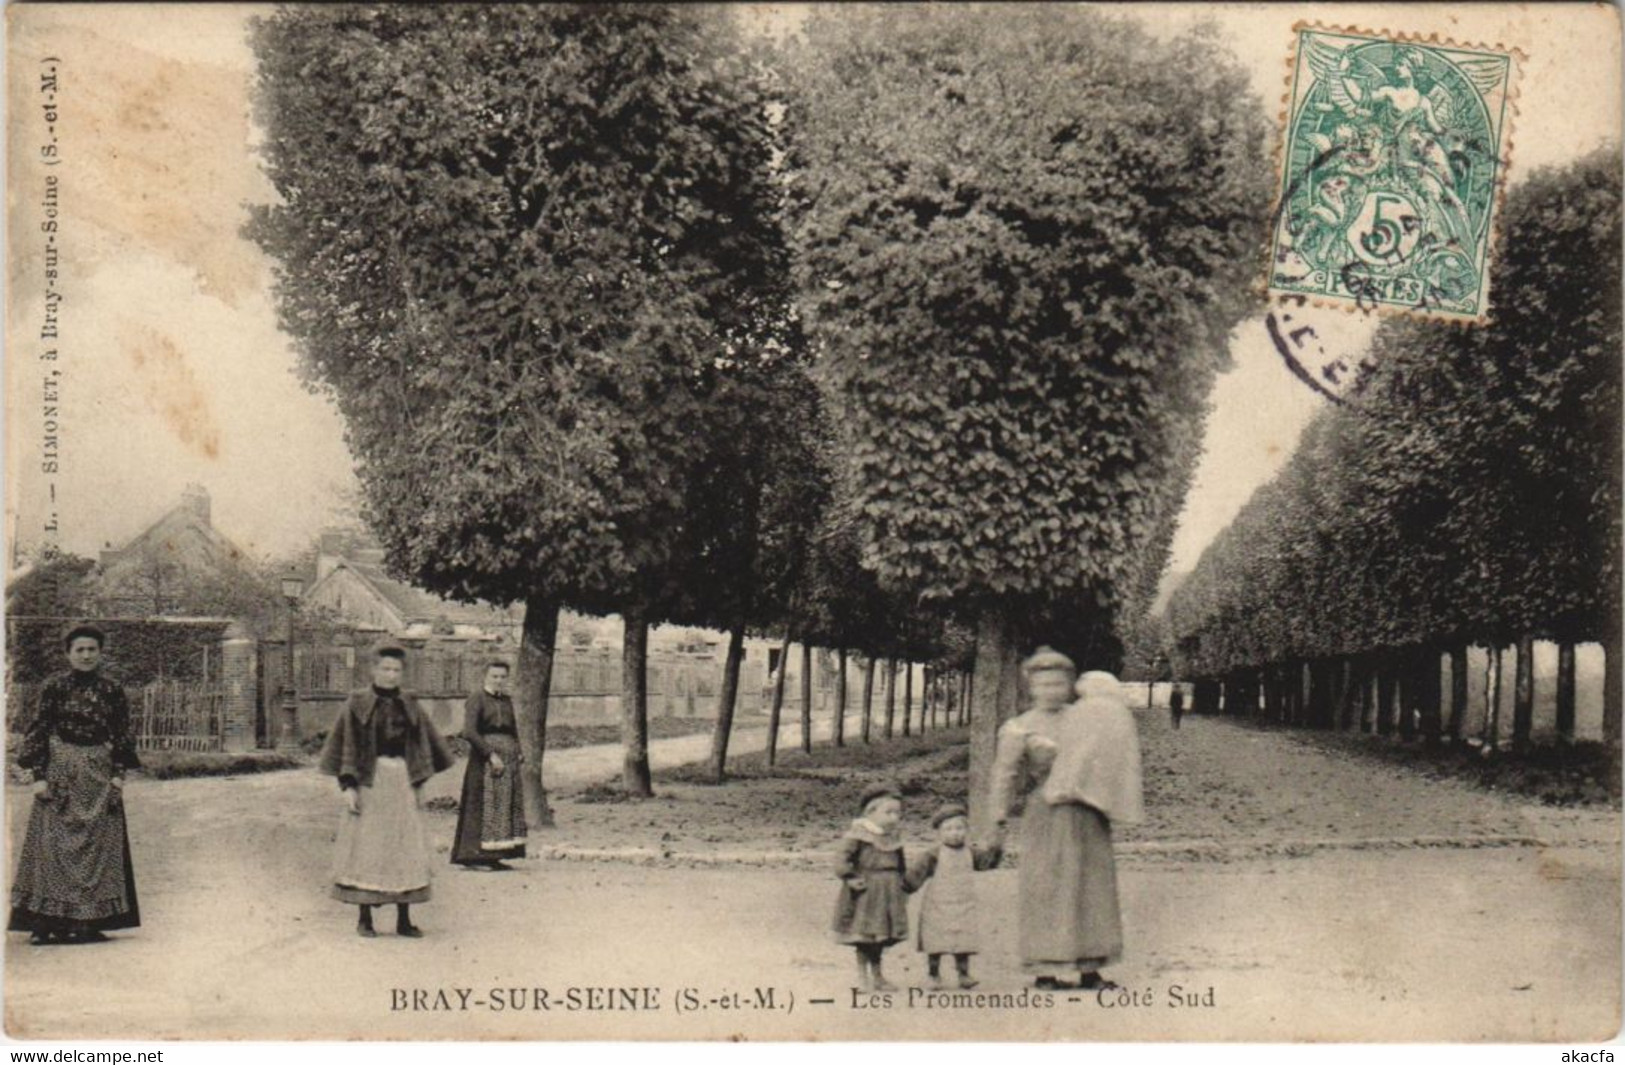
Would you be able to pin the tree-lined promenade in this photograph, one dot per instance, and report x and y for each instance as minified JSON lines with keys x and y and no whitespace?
{"x":1468,"y":495}
{"x":893,"y":337}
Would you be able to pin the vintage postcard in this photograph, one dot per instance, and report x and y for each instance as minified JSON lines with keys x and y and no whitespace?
{"x":1017,"y":522}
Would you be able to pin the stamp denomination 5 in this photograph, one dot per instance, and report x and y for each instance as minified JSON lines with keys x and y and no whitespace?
{"x":1392,"y":166}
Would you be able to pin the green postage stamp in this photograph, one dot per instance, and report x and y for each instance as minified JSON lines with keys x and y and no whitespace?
{"x":1394,"y":157}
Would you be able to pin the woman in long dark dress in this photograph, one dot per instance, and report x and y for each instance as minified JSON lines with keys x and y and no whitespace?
{"x":1082,"y":760}
{"x":491,"y":815}
{"x":75,"y":880}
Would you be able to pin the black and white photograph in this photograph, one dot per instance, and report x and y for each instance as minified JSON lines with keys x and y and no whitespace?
{"x":813,"y":523}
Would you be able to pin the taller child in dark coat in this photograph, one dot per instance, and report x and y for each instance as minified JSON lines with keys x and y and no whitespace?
{"x":871,"y":908}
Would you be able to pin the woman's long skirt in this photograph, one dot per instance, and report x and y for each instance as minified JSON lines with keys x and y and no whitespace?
{"x":74,"y":872}
{"x":383,"y":852}
{"x":1067,"y":882}
{"x":491,"y":814}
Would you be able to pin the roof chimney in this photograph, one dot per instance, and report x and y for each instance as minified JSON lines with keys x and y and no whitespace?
{"x":331,"y":547}
{"x":196,"y":502}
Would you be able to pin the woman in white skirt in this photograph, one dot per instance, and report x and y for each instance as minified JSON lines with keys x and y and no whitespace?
{"x":382,"y":749}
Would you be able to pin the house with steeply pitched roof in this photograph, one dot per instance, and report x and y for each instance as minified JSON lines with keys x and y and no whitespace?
{"x":158,"y":570}
{"x":353,"y":584}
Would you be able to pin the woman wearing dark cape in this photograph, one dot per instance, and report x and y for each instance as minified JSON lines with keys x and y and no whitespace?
{"x":383,"y":748}
{"x":491,"y":814}
{"x":75,"y":879}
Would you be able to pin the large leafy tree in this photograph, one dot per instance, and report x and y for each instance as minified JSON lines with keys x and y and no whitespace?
{"x":55,"y":585}
{"x":521,"y":248}
{"x":1023,"y":235}
{"x":753,"y":552}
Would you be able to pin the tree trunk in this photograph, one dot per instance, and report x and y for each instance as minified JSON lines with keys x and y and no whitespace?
{"x":533,"y":684}
{"x":635,"y":704}
{"x":717,"y":767}
{"x":1611,"y":703}
{"x":1458,"y":692}
{"x":1368,"y":681}
{"x":928,"y":705}
{"x":1565,"y":691}
{"x":1523,"y":694}
{"x":1407,"y":670}
{"x":776,"y":708}
{"x":868,"y":695}
{"x":1385,"y":696}
{"x":995,"y":692}
{"x":1611,"y":688}
{"x":1428,"y":694}
{"x":838,"y":726}
{"x":1320,"y":709}
{"x":891,"y":695}
{"x":908,"y":696}
{"x":806,"y":697}
{"x":1348,"y":675}
{"x":1492,"y":692}
{"x":967,"y":691}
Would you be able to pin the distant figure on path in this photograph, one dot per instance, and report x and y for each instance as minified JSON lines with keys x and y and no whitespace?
{"x":1176,"y":705}
{"x":1083,"y":762}
{"x":383,"y":748}
{"x":871,"y":908}
{"x":75,"y":879}
{"x":491,"y":815}
{"x":948,"y":918}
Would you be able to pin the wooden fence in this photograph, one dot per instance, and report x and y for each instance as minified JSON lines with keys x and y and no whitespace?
{"x":167,"y":715}
{"x":179,"y":716}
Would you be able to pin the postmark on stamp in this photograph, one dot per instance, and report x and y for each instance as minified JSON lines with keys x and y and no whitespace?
{"x":1393,"y":161}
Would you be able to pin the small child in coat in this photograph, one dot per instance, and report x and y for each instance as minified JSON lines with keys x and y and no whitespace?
{"x":948,"y":904}
{"x":871,"y":909}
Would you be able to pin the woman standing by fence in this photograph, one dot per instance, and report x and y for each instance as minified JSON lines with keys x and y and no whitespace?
{"x":491,"y":815}
{"x":75,"y":879}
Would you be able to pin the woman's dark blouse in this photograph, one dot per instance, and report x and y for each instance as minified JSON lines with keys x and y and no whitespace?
{"x":85,"y":709}
{"x":485,"y":714}
{"x":394,"y":728}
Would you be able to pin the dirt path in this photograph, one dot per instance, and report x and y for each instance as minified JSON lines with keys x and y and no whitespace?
{"x":1449,"y":941}
{"x":575,"y":767}
{"x":1215,"y":789}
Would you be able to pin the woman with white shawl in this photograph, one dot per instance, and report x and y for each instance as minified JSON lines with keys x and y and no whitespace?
{"x":1082,"y":761}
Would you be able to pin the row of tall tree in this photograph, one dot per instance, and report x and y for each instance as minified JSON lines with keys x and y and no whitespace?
{"x":897,"y":328}
{"x":1468,"y":493}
